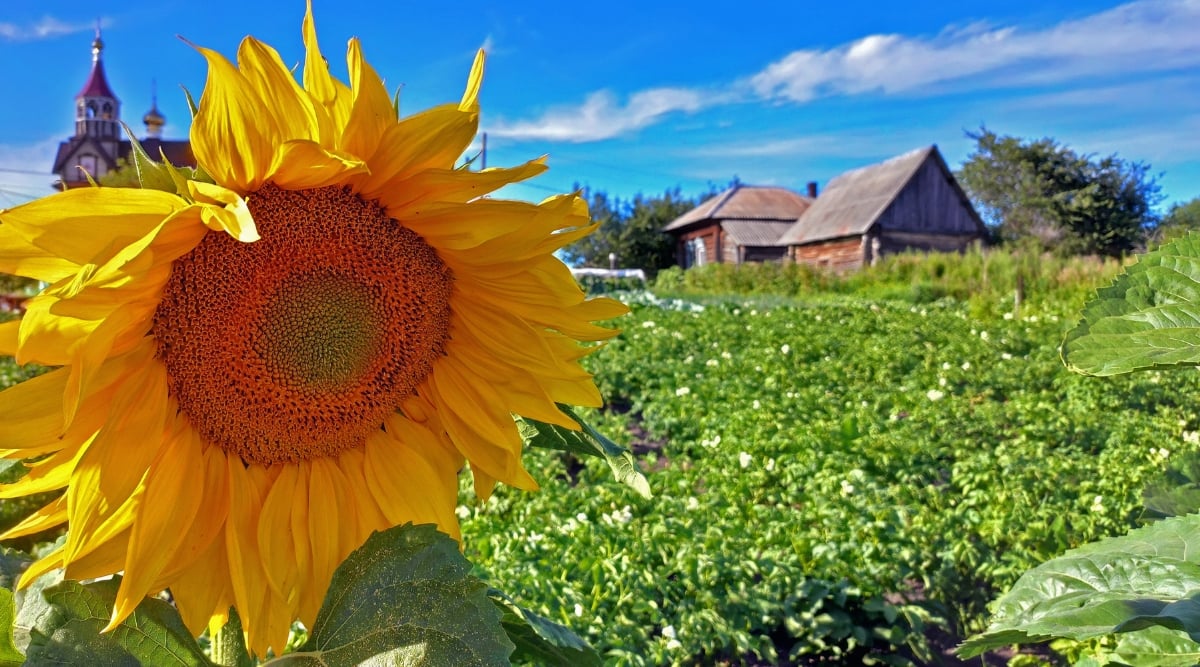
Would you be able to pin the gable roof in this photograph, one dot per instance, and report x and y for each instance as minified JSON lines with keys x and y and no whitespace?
{"x":746,"y":202}
{"x":756,"y":232}
{"x":70,"y":147}
{"x":853,"y":201}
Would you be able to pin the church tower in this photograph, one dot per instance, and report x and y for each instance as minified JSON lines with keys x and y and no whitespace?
{"x":99,"y":143}
{"x":97,"y":109}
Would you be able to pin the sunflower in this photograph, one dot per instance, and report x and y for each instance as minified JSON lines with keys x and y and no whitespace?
{"x":302,"y":343}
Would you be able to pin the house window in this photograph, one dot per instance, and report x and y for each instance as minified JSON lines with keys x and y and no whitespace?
{"x":88,"y":164}
{"x":696,"y":253}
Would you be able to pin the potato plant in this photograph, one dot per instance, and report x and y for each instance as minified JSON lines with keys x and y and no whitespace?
{"x":831,"y":479}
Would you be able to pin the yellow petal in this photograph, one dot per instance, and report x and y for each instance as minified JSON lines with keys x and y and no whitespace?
{"x":489,"y":441}
{"x":483,"y":483}
{"x":372,"y":113}
{"x":470,"y":98}
{"x":202,"y":592}
{"x":86,"y":225}
{"x":432,"y":139}
{"x":49,"y":474}
{"x":406,"y":484}
{"x":326,"y":509}
{"x":287,"y":103}
{"x":522,"y":393}
{"x":105,"y":559}
{"x":21,"y":258}
{"x":300,"y":165}
{"x":110,"y":470}
{"x":230,"y":213}
{"x":453,"y":185}
{"x":52,"y":515}
{"x":164,"y":516}
{"x":51,"y":561}
{"x":275,"y":535}
{"x":33,"y":410}
{"x":209,"y":523}
{"x":332,"y":95}
{"x":231,"y":136}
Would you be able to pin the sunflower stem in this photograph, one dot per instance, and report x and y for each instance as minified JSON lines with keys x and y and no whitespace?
{"x":229,"y":644}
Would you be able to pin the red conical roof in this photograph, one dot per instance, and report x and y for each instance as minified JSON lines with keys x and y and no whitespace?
{"x":97,"y":83}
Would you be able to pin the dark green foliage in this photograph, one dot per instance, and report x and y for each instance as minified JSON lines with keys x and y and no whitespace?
{"x":68,"y":632}
{"x":632,"y":230}
{"x":1180,"y":219}
{"x":405,"y":597}
{"x":1068,"y":202}
{"x":1177,"y":492}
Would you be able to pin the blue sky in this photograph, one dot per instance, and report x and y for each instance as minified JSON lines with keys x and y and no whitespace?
{"x":631,"y":97}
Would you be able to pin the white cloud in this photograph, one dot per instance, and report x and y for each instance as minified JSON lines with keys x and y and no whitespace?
{"x":1150,"y":35}
{"x":602,"y":116}
{"x":1137,"y":38}
{"x":45,"y":28}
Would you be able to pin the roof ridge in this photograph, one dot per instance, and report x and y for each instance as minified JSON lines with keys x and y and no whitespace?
{"x":723,"y":199}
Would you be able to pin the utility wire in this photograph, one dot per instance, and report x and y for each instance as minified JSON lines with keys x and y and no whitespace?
{"x":9,"y":170}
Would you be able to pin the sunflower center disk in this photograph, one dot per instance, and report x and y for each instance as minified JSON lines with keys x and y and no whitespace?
{"x":298,"y":345}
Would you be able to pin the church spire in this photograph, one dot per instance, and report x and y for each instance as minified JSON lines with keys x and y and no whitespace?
{"x":97,"y":109}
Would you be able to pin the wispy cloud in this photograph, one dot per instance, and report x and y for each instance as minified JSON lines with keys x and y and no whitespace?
{"x":1150,"y":35}
{"x":46,"y":27}
{"x":1139,"y":37}
{"x":603,"y":116}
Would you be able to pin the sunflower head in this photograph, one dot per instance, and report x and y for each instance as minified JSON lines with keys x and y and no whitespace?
{"x":260,"y":363}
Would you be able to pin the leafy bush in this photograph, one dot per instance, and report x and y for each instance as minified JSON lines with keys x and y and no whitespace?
{"x":988,"y":279}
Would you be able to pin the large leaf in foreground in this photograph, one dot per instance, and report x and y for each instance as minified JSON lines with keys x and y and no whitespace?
{"x":406,"y":597}
{"x":587,"y":441}
{"x":70,"y":633}
{"x":1148,"y":318}
{"x":1146,"y":579}
{"x":10,"y":656}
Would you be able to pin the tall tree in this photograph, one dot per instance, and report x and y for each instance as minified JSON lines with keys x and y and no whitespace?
{"x":1068,"y":202}
{"x":1180,"y":218}
{"x":630,"y":230}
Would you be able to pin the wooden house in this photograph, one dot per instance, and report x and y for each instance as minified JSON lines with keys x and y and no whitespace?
{"x":741,"y":224}
{"x":910,"y":202}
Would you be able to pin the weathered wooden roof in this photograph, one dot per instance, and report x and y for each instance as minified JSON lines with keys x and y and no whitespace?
{"x":853,"y":201}
{"x":746,"y":202}
{"x":756,"y":232}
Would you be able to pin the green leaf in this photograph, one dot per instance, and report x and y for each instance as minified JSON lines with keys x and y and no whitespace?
{"x":1158,"y":647}
{"x":152,"y":175}
{"x":1148,"y":318}
{"x":406,"y":597}
{"x":587,"y":441}
{"x":191,"y":102}
{"x":10,"y":656}
{"x":12,"y":566}
{"x":541,"y":641}
{"x":32,"y":607}
{"x":1176,"y":491}
{"x":1150,"y":577}
{"x":69,"y":634}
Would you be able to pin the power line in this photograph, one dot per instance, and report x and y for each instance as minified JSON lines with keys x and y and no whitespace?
{"x":17,"y":197}
{"x":25,"y":171}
